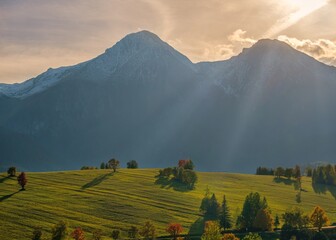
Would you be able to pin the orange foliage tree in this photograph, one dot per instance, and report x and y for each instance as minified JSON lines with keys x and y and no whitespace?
{"x":174,"y":229}
{"x":319,"y":218}
{"x":78,"y":234}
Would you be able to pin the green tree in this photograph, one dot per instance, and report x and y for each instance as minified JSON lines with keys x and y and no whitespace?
{"x":253,"y":203}
{"x":97,"y":234}
{"x":102,"y":165}
{"x":319,"y":218}
{"x":276,"y":221}
{"x":279,"y":172}
{"x":225,"y":216}
{"x":211,"y":231}
{"x":252,"y":236}
{"x":263,"y":220}
{"x":115,"y":234}
{"x":37,"y":234}
{"x":211,"y":208}
{"x":132,"y":164}
{"x":114,"y":164}
{"x":59,"y":231}
{"x":133,"y":232}
{"x":297,"y":171}
{"x":289,"y":173}
{"x":189,"y":178}
{"x":148,"y":231}
{"x":295,"y":218}
{"x":11,"y":171}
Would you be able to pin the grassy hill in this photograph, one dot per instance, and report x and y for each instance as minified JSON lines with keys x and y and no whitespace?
{"x":100,"y":199}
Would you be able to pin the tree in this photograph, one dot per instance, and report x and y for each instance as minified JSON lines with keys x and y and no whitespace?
{"x":279,"y":171}
{"x":114,"y":164}
{"x":212,"y":208}
{"x":148,"y":231}
{"x":229,"y":236}
{"x":252,"y":205}
{"x":59,"y":231}
{"x":115,"y":234}
{"x":289,"y":173}
{"x":211,"y":231}
{"x":252,"y":236}
{"x":132,"y":164}
{"x":319,"y":218}
{"x":225,"y":216}
{"x":37,"y":234}
{"x":263,"y":220}
{"x":276,"y":221}
{"x":174,"y":229}
{"x":309,"y":171}
{"x":297,"y":171}
{"x":97,"y":234}
{"x":133,"y":232}
{"x":295,"y":218}
{"x":22,"y":180}
{"x":78,"y":234}
{"x":189,"y":178}
{"x":11,"y":171}
{"x":102,"y":165}
{"x":186,"y":164}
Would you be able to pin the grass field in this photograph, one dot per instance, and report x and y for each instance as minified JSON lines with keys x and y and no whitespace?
{"x":100,"y":199}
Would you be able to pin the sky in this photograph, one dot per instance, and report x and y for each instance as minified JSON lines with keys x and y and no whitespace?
{"x":37,"y":34}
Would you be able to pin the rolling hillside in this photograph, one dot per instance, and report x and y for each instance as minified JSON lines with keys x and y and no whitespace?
{"x":99,"y":199}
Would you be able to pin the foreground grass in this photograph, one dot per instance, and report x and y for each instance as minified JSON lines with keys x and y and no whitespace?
{"x":99,"y":199}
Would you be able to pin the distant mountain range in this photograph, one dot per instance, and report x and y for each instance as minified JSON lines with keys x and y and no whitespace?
{"x":141,"y":99}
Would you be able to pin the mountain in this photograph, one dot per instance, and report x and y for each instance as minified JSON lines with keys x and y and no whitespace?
{"x":141,"y":99}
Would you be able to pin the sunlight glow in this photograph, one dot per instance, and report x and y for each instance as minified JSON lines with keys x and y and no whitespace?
{"x":303,"y":9}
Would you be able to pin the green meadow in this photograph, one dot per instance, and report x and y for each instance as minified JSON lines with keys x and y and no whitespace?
{"x":100,"y":199}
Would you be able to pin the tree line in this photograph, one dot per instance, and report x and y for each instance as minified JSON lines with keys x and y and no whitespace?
{"x":256,"y":216}
{"x":184,"y":173}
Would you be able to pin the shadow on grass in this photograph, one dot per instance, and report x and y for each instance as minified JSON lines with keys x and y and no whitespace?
{"x":324,"y":188}
{"x":197,"y":227}
{"x":4,"y":179}
{"x":171,"y":183}
{"x":286,"y":181}
{"x":97,"y":180}
{"x":3,"y":198}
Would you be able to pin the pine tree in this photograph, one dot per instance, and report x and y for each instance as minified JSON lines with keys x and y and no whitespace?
{"x":225,"y":216}
{"x":276,"y":221}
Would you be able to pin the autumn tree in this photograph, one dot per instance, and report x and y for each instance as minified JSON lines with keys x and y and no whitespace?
{"x":114,"y":164}
{"x":59,"y":231}
{"x":22,"y":180}
{"x":263,"y":220}
{"x":252,"y":236}
{"x":174,"y":229}
{"x":37,"y":234}
{"x":229,"y":236}
{"x":319,"y":218}
{"x":115,"y":234}
{"x":11,"y":171}
{"x":148,"y":231}
{"x":211,"y":231}
{"x":78,"y":234}
{"x":225,"y":216}
{"x":132,"y":164}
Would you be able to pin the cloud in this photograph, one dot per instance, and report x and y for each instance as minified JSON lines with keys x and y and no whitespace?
{"x":323,"y":50}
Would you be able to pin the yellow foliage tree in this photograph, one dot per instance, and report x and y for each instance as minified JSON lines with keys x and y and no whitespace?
{"x":211,"y":231}
{"x":319,"y":218}
{"x":229,"y":236}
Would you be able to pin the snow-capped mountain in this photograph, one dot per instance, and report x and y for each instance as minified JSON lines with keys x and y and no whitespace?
{"x":143,"y":100}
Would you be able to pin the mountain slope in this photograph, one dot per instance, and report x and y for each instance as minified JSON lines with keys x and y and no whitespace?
{"x":143,"y":100}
